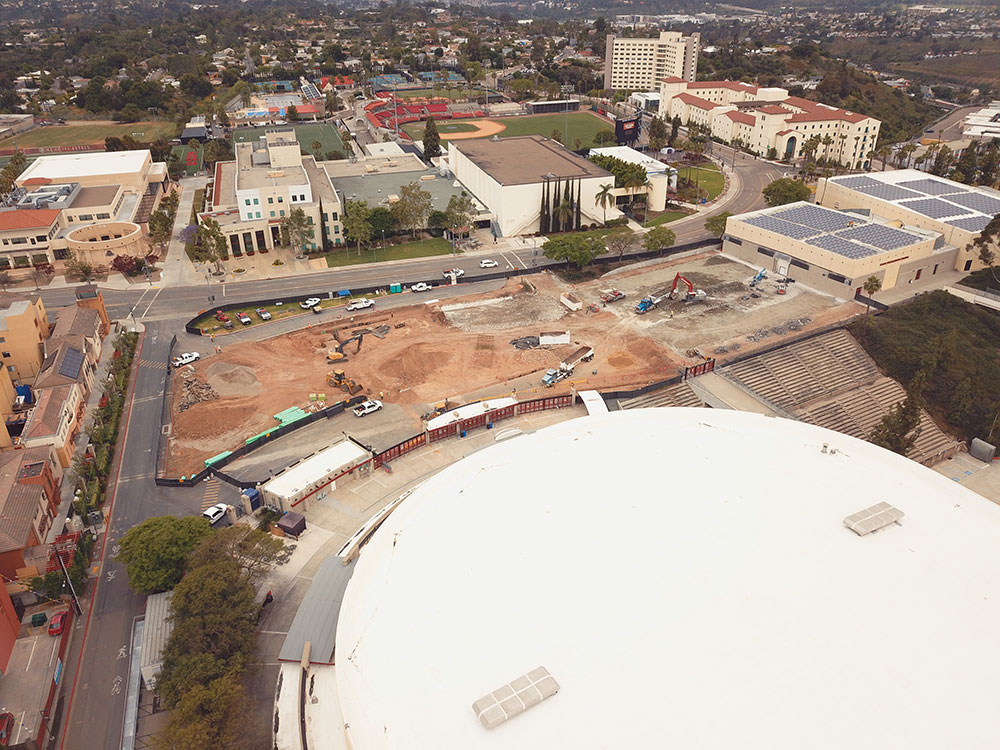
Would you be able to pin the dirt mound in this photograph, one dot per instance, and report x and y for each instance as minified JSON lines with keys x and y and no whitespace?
{"x":232,"y":379}
{"x":620,"y":359}
{"x":416,"y":363}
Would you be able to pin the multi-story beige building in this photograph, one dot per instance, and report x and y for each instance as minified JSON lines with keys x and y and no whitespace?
{"x":24,"y":326}
{"x":93,"y":206}
{"x":769,"y":122}
{"x":268,"y":179}
{"x":640,"y":64}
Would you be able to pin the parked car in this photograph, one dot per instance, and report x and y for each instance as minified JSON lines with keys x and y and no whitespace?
{"x":360,"y":304}
{"x":185,"y":359}
{"x":421,"y":286}
{"x":57,"y":623}
{"x":263,"y":314}
{"x":309,"y":303}
{"x":456,"y":272}
{"x":244,"y":318}
{"x":6,"y":728}
{"x":488,"y":263}
{"x":367,"y":407}
{"x":215,"y":513}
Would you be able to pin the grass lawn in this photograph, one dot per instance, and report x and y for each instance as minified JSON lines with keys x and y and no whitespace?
{"x":305,"y":133}
{"x":191,"y":159}
{"x":209,"y":324}
{"x":81,"y":135}
{"x":707,"y":176}
{"x":417,"y":249}
{"x":665,"y":217}
{"x":451,"y":127}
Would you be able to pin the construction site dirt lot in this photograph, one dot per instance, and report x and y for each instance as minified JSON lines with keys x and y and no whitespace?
{"x":733,"y":319}
{"x":461,"y":350}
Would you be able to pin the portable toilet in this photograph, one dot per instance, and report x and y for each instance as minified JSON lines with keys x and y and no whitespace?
{"x":395,"y":288}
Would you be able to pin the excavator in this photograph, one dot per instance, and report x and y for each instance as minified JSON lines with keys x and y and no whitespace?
{"x":692,"y":294}
{"x":337,"y":353}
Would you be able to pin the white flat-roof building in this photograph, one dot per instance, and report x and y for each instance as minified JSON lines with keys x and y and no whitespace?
{"x":662,"y":177}
{"x":315,"y":476}
{"x":983,"y":124}
{"x":133,"y":170}
{"x":850,"y":602}
{"x":521,"y":179}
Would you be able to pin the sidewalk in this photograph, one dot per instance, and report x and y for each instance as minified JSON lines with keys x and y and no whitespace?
{"x":177,"y":269}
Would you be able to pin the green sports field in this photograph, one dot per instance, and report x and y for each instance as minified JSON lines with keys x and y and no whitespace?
{"x":305,"y":134}
{"x":582,"y":125}
{"x":451,"y":127}
{"x":86,"y":134}
{"x":191,"y":159}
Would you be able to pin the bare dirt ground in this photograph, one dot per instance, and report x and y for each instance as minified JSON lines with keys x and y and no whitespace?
{"x":463,"y":348}
{"x":732,"y":319}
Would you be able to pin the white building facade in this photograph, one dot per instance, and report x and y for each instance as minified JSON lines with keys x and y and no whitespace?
{"x":639,"y":64}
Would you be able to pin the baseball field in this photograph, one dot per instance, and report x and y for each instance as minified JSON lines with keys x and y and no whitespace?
{"x":581,"y":125}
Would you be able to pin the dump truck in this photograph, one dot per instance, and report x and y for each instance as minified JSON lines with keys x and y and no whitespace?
{"x":651,"y":302}
{"x":566,"y":367}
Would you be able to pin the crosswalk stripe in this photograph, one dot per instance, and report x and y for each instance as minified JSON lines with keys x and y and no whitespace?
{"x":211,"y":496}
{"x":156,"y":365}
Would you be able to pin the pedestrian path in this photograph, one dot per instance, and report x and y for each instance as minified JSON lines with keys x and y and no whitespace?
{"x":211,"y":496}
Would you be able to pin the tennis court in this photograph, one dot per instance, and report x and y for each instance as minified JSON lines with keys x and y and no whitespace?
{"x":305,"y":134}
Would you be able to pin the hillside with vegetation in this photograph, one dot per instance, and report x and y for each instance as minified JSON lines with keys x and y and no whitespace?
{"x":954,"y":344}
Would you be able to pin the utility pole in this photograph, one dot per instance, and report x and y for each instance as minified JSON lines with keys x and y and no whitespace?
{"x":69,"y":583}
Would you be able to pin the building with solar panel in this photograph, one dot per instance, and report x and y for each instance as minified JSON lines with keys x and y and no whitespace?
{"x":958,"y":212}
{"x":834,"y":251}
{"x":819,"y":592}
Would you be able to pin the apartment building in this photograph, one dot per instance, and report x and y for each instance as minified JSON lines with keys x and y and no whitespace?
{"x":637,"y":64}
{"x":29,"y":500}
{"x":769,"y":122}
{"x":24,"y":326}
{"x":269,"y":178}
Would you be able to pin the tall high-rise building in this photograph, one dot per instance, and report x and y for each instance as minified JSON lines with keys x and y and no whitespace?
{"x":640,"y":64}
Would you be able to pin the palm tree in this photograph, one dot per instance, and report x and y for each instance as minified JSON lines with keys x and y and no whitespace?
{"x":907,"y":152}
{"x":563,"y":213}
{"x":604,"y":197}
{"x":871,"y":287}
{"x":882,"y":154}
{"x":634,"y":182}
{"x":827,"y":142}
{"x":840,"y":159}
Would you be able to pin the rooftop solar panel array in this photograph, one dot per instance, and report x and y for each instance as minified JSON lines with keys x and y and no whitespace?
{"x":822,"y":219}
{"x":977,"y":202}
{"x":929,"y":186}
{"x":859,"y":181}
{"x":934,"y":208}
{"x":970,"y":223}
{"x":70,"y":367}
{"x":887,"y":192}
{"x":842,"y":247}
{"x":878,"y":235}
{"x":784,"y":228}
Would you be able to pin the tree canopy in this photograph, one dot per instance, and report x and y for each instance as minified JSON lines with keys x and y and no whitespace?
{"x":785,"y":190}
{"x":579,"y":249}
{"x":413,"y":207}
{"x":432,"y":140}
{"x":717,"y":224}
{"x":155,"y":553}
{"x":625,"y":172}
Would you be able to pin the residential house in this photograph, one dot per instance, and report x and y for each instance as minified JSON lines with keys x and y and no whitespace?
{"x":23,"y":329}
{"x":55,"y":421}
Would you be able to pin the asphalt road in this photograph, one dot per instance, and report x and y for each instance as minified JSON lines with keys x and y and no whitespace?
{"x":99,"y":672}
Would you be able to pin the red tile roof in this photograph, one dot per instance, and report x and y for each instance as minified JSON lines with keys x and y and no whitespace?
{"x":28,"y":218}
{"x":746,"y":119}
{"x":732,"y":85}
{"x":786,"y":132}
{"x":672,"y":79}
{"x":696,"y":101}
{"x":774,"y":109}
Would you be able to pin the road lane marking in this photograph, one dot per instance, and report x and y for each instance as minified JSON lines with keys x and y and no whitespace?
{"x":151,"y":302}
{"x":31,"y":653}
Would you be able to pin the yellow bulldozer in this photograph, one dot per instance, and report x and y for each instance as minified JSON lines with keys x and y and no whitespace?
{"x":338,"y":379}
